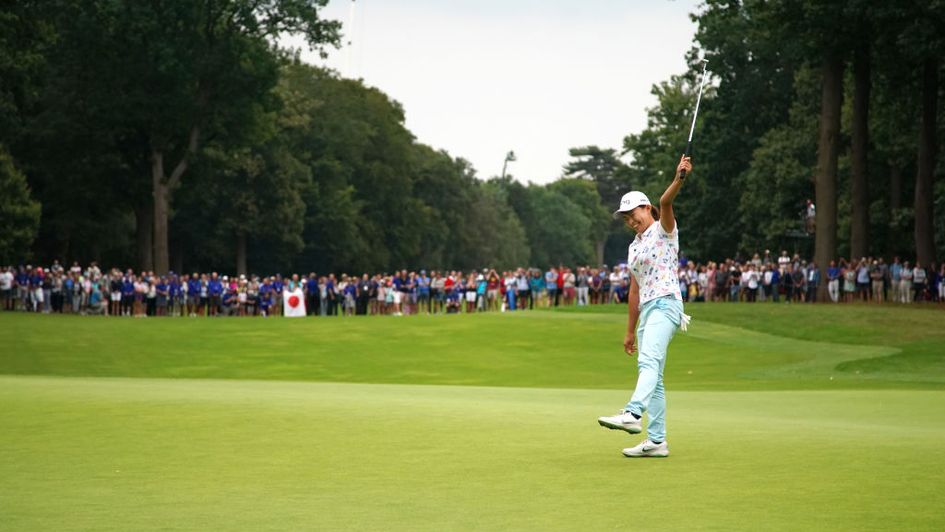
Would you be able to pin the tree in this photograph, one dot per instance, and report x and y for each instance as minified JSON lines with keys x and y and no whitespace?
{"x":822,"y":42}
{"x":179,"y":73}
{"x":495,"y":235}
{"x":249,"y":195}
{"x":363,"y":213}
{"x":779,"y":175}
{"x":19,"y":213}
{"x":860,"y":223}
{"x":907,"y":48}
{"x":557,"y":228}
{"x":752,"y":76}
{"x":613,"y":179}
{"x":25,"y":39}
{"x":584,"y":194}
{"x":460,"y":212}
{"x":923,"y":45}
{"x":828,"y":149}
{"x":925,"y":171}
{"x":28,"y":39}
{"x":602,"y":167}
{"x":655,"y":153}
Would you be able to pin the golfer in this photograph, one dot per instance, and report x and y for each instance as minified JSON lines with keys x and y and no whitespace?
{"x":655,"y":311}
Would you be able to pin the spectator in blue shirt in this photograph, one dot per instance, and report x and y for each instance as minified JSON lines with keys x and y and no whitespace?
{"x":332,"y":295}
{"x":174,"y":295}
{"x":127,"y":293}
{"x":311,"y":294}
{"x":193,"y":294}
{"x":265,"y":297}
{"x":162,"y":291}
{"x":229,"y":303}
{"x":215,"y":293}
{"x":423,"y":291}
{"x":833,"y":281}
{"x":621,"y":291}
{"x":21,"y":286}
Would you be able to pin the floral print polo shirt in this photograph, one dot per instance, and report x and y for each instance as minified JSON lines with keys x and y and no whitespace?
{"x":653,"y":259}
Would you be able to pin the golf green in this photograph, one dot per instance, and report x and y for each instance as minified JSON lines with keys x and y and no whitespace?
{"x":469,"y":422}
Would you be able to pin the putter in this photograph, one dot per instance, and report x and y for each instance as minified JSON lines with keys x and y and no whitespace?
{"x":705,"y":64}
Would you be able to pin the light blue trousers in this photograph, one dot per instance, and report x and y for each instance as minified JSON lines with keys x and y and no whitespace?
{"x":659,"y":319}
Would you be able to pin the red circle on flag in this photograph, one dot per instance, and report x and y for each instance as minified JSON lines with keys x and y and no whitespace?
{"x":293,"y":301}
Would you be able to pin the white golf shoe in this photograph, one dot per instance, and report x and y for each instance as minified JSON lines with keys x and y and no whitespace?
{"x":647,"y":449}
{"x":622,"y":421}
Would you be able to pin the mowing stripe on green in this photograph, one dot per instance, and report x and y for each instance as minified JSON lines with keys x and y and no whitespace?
{"x":144,"y":454}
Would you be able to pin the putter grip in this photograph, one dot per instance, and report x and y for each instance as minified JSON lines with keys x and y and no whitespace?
{"x":682,"y":173}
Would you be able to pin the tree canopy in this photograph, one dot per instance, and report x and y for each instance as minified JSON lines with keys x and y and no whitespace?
{"x":179,"y":135}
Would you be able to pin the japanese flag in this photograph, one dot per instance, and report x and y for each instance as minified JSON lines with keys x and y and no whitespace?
{"x":293,"y":303}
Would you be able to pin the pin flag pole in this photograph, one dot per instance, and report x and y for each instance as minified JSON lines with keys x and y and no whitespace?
{"x":705,"y":64}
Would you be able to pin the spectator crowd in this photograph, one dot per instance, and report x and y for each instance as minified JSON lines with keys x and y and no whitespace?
{"x":90,"y":290}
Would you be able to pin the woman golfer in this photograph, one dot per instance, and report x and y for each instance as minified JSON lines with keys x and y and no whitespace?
{"x":655,"y":311}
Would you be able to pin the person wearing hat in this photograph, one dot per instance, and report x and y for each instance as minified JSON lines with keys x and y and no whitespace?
{"x":655,"y":311}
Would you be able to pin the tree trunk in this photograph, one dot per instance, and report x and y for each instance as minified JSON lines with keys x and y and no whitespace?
{"x":599,"y":251}
{"x":860,"y":222}
{"x":159,"y":191}
{"x":825,"y":179}
{"x":241,"y":253}
{"x":895,"y":187}
{"x":924,"y":240}
{"x":162,"y":187}
{"x":144,"y":228}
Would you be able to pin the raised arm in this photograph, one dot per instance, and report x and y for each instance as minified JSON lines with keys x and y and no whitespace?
{"x":667,"y":219}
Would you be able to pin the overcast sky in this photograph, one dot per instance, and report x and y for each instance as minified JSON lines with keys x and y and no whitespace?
{"x":481,"y":77}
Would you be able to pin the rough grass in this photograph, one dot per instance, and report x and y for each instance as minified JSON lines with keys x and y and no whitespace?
{"x":730,"y":347}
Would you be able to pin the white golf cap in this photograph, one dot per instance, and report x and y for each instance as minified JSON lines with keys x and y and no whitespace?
{"x":630,"y":201}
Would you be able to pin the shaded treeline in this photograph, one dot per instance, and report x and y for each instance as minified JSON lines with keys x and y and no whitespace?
{"x":176,"y":135}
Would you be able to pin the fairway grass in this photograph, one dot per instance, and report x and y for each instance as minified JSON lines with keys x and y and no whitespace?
{"x":782,"y":417}
{"x":146,"y":454}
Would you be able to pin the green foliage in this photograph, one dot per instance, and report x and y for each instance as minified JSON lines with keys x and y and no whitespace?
{"x":167,"y":79}
{"x":19,"y":213}
{"x":656,"y":150}
{"x":320,"y":173}
{"x":584,"y":194}
{"x":655,"y":153}
{"x":603,"y":167}
{"x":335,"y":182}
{"x":755,"y":146}
{"x":612,"y":179}
{"x":557,"y":228}
{"x":25,"y":36}
{"x":779,"y":180}
{"x":495,"y":236}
